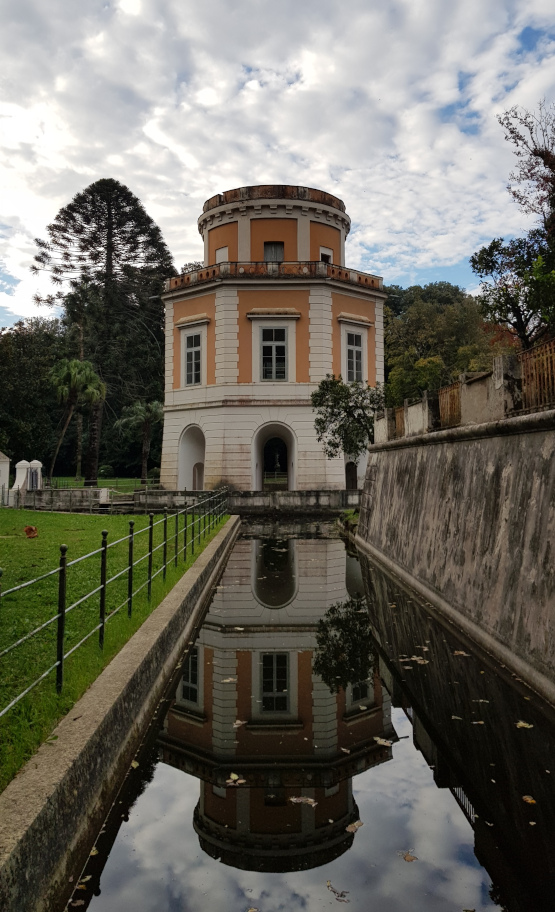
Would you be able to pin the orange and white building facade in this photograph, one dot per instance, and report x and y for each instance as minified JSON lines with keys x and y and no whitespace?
{"x":251,"y":334}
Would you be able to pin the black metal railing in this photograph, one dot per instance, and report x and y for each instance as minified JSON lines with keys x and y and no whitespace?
{"x":191,"y":525}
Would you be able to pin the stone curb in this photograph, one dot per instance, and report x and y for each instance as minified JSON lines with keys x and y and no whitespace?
{"x":51,"y":811}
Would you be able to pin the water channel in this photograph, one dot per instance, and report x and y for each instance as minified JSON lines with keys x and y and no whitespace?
{"x":295,"y":766}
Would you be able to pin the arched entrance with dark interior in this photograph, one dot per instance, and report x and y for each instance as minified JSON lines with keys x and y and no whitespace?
{"x":351,"y":477}
{"x":192,"y":448}
{"x":274,"y":452}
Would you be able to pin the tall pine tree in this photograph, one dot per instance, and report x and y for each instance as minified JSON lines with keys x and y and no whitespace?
{"x":109,"y":261}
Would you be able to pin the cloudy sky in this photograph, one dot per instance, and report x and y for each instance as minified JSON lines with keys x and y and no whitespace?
{"x":389,"y":105}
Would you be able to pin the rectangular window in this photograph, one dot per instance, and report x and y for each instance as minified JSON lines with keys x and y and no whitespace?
{"x":222,"y":255}
{"x":275,"y":682}
{"x":190,"y":677}
{"x":192,"y":360}
{"x":354,"y":357}
{"x":360,"y":691}
{"x":274,"y":354}
{"x":273,"y":252}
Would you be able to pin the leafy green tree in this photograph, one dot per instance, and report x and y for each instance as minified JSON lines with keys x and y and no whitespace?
{"x":345,"y":415}
{"x":29,"y":411}
{"x":345,"y":652}
{"x":75,"y":382}
{"x":517,"y":286}
{"x":435,"y":332}
{"x":142,"y":416}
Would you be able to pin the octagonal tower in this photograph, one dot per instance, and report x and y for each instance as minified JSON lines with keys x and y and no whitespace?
{"x":250,"y":335}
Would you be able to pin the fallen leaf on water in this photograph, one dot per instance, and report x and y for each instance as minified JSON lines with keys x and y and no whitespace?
{"x":480,"y":722}
{"x":345,"y":750}
{"x":339,"y":894}
{"x":302,"y":799}
{"x":461,"y":652}
{"x":239,"y":628}
{"x":238,"y":723}
{"x":94,"y":851}
{"x":81,"y":886}
{"x":78,"y":902}
{"x":521,"y":724}
{"x":252,"y":909}
{"x":406,"y":856}
{"x":532,"y":822}
{"x":528,"y":799}
{"x":457,"y":717}
{"x":134,"y":764}
{"x":382,"y":741}
{"x":363,"y":707}
{"x":488,"y":823}
{"x":480,"y":701}
{"x":353,"y":827}
{"x":86,"y":879}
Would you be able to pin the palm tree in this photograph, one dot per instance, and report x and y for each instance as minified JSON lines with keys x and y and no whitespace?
{"x":75,"y":382}
{"x":143,"y":415}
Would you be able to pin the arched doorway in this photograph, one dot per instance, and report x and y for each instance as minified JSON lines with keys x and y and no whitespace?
{"x":274,"y":572}
{"x":192,"y":447}
{"x":351,"y":477}
{"x":198,"y":476}
{"x":273,"y":458}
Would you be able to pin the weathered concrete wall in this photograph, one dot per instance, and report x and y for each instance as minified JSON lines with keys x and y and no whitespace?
{"x":468,"y":516}
{"x":290,"y":503}
{"x":50,"y":813}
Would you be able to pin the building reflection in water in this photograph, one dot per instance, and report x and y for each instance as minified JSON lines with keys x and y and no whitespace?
{"x":250,"y":704}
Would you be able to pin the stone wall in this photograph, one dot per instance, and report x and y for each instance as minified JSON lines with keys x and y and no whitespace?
{"x":467,"y":516}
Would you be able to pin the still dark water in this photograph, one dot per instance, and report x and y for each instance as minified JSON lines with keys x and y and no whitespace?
{"x":444,"y":757}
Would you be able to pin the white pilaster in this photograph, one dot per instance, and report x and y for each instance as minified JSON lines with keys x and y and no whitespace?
{"x":320,"y":349}
{"x":244,"y":238}
{"x":379,"y":342}
{"x":227,"y":328}
{"x":303,"y":236}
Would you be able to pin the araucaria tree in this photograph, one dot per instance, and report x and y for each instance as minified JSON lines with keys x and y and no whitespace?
{"x":518,"y":287}
{"x":345,"y":415}
{"x":109,"y":261}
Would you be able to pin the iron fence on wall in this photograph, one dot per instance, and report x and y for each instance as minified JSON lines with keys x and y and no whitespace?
{"x":538,"y":375}
{"x":179,"y":534}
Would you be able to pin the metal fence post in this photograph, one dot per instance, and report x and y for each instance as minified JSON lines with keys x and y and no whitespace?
{"x":176,"y":536}
{"x":103,"y":562}
{"x":150,"y":546}
{"x":130,"y":570}
{"x":165,"y":548}
{"x":61,"y":619}
{"x":185,"y":535}
{"x":193,"y":529}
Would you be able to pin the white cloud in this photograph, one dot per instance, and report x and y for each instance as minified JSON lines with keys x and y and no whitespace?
{"x":391,"y":107}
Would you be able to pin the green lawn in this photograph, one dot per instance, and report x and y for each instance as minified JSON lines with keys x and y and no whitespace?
{"x":121,"y":485}
{"x":30,"y":721}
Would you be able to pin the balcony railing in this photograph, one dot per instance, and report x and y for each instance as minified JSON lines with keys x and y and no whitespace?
{"x":292,"y":270}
